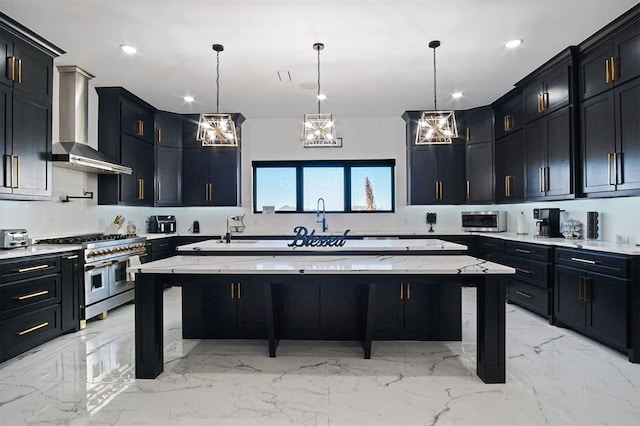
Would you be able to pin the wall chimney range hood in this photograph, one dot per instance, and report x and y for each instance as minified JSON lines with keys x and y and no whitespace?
{"x":73,"y":151}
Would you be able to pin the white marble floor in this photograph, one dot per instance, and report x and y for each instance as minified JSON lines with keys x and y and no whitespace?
{"x":554,"y":377}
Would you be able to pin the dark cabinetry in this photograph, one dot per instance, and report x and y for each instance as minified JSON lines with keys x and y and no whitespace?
{"x":531,"y":287}
{"x":210,"y":174}
{"x":39,"y":300}
{"x":26,"y":74}
{"x":508,"y":113}
{"x":224,"y":309}
{"x":509,"y":168}
{"x":168,"y":164}
{"x":478,"y":136}
{"x":611,"y":60}
{"x":416,"y":310}
{"x":591,"y":294}
{"x":435,"y":173}
{"x":548,"y":154}
{"x":548,"y":92}
{"x":611,"y":140}
{"x":125,"y":133}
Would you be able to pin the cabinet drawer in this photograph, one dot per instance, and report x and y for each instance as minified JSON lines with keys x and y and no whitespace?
{"x":531,"y":297}
{"x":535,"y":273}
{"x":27,"y":331}
{"x":528,"y":251}
{"x":603,"y":263}
{"x":29,"y":268}
{"x":491,"y":244}
{"x":21,"y":296}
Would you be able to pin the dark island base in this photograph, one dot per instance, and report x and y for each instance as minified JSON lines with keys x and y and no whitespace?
{"x":323,"y":307}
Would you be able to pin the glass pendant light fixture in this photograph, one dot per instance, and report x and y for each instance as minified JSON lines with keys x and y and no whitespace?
{"x":319,"y":129}
{"x":436,"y":127}
{"x":217,"y":129}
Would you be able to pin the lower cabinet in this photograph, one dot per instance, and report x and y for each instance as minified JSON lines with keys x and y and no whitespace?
{"x":417,"y":310}
{"x":224,"y":309}
{"x":39,"y":300}
{"x":592,"y":304}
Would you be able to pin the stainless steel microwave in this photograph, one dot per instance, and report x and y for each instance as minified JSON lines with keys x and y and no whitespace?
{"x":484,"y":221}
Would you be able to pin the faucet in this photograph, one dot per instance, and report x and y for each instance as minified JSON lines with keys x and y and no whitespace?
{"x":324,"y":219}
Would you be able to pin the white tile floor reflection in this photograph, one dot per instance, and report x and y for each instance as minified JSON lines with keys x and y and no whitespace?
{"x":553,"y":377}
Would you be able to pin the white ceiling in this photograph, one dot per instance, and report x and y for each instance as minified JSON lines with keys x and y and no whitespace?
{"x":376,"y":62}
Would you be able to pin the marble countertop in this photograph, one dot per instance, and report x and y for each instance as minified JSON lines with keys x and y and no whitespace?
{"x":36,"y":249}
{"x":319,"y":265}
{"x":350,"y":245}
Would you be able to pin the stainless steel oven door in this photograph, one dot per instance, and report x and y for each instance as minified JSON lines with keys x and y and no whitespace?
{"x":96,"y":282}
{"x":119,"y":274}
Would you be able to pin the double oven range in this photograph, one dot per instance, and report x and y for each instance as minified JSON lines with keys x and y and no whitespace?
{"x":106,"y":258}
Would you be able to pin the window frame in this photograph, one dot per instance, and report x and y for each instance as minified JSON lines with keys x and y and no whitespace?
{"x":345,"y":164}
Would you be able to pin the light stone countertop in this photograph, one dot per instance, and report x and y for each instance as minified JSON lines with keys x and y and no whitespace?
{"x":37,"y":249}
{"x":323,"y":265}
{"x":350,"y":245}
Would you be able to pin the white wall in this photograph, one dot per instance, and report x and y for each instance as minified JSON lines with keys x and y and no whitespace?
{"x":363,"y":138}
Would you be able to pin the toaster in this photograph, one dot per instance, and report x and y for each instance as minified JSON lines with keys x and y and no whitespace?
{"x":12,"y":238}
{"x":164,"y":224}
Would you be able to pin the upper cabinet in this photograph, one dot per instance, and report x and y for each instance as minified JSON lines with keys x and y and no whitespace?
{"x":550,"y":128}
{"x":26,"y":75}
{"x":126,"y":134}
{"x":610,"y":60}
{"x":168,"y":147}
{"x":211,"y":174}
{"x":478,"y":137}
{"x":435,"y":173}
{"x":508,"y":113}
{"x":610,"y":110}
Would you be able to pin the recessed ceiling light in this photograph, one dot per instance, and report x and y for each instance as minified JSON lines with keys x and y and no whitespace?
{"x":513,"y":43}
{"x":188,"y":98}
{"x":128,"y":49}
{"x":456,"y":95}
{"x":321,"y":97}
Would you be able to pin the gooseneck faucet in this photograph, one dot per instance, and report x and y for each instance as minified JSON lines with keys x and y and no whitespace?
{"x":325,"y":227}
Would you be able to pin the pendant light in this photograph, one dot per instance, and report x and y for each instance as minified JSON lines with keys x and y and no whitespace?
{"x":318,"y":129}
{"x":217,"y":129}
{"x":436,"y":127}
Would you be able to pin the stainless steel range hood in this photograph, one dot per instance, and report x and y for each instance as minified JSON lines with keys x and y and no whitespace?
{"x":73,"y":151}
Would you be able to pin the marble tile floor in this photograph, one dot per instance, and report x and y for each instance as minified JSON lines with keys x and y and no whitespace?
{"x":554,"y":377}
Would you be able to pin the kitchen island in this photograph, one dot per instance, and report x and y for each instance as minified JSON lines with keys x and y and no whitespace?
{"x":343,"y":289}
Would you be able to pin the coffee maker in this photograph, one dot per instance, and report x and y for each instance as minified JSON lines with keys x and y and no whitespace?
{"x":547,"y":223}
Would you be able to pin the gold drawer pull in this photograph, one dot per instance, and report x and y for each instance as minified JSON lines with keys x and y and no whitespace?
{"x":524,"y":271}
{"x":523,"y":294}
{"x":590,"y":262}
{"x":523,"y":251}
{"x":34,"y":328}
{"x":408,"y":291}
{"x":33,"y":268}
{"x":75,"y":256}
{"x":29,"y":296}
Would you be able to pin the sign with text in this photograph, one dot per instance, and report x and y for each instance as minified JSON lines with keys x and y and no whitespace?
{"x":305,"y":239}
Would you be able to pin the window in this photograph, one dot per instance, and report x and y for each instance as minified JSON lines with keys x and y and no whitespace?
{"x":345,"y":186}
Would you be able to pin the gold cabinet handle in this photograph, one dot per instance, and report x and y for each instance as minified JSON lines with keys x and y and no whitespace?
{"x":524,"y":271}
{"x":401,"y":291}
{"x":12,"y":67}
{"x":540,"y":179}
{"x":239,"y":285}
{"x":545,"y":171}
{"x":441,"y":191}
{"x":545,"y":101}
{"x":75,"y":256}
{"x":436,"y":190}
{"x":211,"y":191}
{"x":510,"y":178}
{"x":19,"y":70}
{"x":30,"y":295}
{"x":539,"y":110}
{"x":615,"y":167}
{"x":468,"y":134}
{"x":609,"y":157}
{"x":159,"y":135}
{"x":523,"y":294}
{"x":587,"y":261}
{"x":232,"y":290}
{"x":507,"y":123}
{"x":468,"y":189}
{"x":159,"y":190}
{"x":34,"y":328}
{"x":32,"y":268}
{"x":613,"y":69}
{"x":408,"y":291}
{"x":607,"y":75}
{"x":140,"y":129}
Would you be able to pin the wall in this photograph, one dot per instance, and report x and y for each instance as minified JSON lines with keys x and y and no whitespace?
{"x":363,"y":138}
